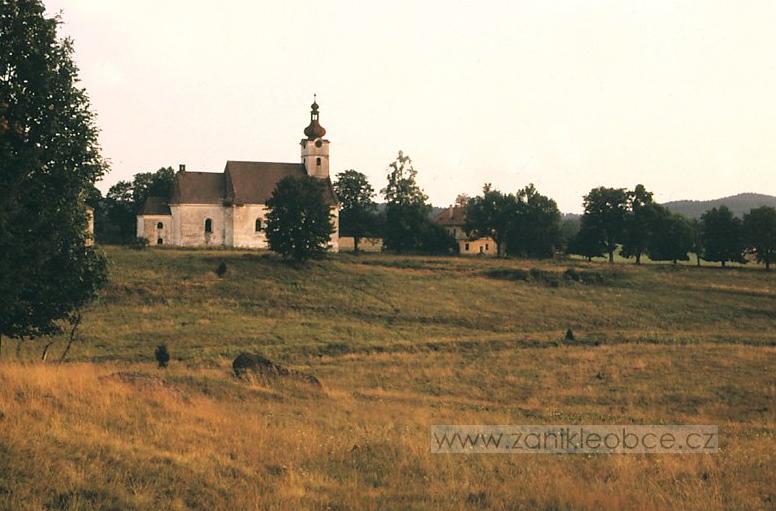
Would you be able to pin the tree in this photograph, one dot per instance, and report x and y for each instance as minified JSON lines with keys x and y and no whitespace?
{"x":357,"y":207}
{"x":605,"y":212}
{"x":639,"y":223}
{"x":120,"y":212}
{"x":569,"y":227}
{"x":697,"y":240}
{"x":587,"y":242}
{"x":407,"y":211}
{"x":151,"y":184}
{"x":299,"y":223}
{"x":535,"y":229}
{"x":722,"y":236}
{"x":49,"y":161}
{"x":492,"y":214}
{"x":671,"y":236}
{"x":760,"y":234}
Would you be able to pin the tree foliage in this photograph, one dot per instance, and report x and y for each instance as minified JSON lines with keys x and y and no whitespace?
{"x":407,"y":224}
{"x":760,"y":234}
{"x":299,"y":222}
{"x":358,"y":210}
{"x":671,"y":236}
{"x":604,"y":218}
{"x":49,"y":161}
{"x":639,"y":223}
{"x":535,"y":230}
{"x":722,"y":235}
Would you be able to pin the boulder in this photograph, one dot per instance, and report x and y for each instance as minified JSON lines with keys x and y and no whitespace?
{"x":259,"y":369}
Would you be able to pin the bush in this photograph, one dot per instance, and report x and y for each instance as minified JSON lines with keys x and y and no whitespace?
{"x":162,"y":355}
{"x":221,"y":270}
{"x":139,"y":244}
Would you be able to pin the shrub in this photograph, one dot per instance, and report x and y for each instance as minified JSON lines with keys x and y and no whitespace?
{"x":139,"y":243}
{"x":162,"y":355}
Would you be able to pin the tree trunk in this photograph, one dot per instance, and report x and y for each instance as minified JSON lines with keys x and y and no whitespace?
{"x":767,"y":268}
{"x":698,"y":260}
{"x":356,"y":241}
{"x":723,"y":264}
{"x":611,"y":256}
{"x":48,"y":345}
{"x":638,"y":258}
{"x":19,"y":347}
{"x":75,"y":323}
{"x":675,"y":262}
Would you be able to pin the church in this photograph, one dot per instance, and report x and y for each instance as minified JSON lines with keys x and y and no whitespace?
{"x":228,"y":209}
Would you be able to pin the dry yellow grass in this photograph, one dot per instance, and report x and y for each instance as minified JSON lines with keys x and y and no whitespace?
{"x":131,"y":436}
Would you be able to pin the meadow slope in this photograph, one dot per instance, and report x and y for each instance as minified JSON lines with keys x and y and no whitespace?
{"x":400,"y":343}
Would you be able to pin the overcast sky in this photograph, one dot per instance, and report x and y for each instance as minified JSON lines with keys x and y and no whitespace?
{"x":568,"y":95}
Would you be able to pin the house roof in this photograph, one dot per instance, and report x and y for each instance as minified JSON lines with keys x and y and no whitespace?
{"x":452,"y":216}
{"x":155,"y":206}
{"x":198,"y":188}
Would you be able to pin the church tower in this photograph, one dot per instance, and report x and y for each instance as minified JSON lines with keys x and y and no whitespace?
{"x":315,"y":150}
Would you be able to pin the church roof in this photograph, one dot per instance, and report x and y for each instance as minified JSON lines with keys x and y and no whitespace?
{"x":155,"y":206}
{"x":198,"y":188}
{"x":242,"y":182}
{"x":252,"y":182}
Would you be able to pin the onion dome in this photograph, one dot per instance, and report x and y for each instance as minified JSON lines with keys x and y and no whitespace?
{"x":314,"y":130}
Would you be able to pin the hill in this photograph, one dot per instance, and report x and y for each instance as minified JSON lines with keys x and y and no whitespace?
{"x":738,"y":204}
{"x":399,"y":344}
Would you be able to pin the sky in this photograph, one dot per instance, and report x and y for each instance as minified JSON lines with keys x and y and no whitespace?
{"x":568,"y":95}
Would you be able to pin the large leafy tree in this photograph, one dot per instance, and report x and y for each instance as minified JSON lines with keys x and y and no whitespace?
{"x":407,"y":209}
{"x":760,"y":234}
{"x":357,"y":206}
{"x":49,"y":161}
{"x":605,"y":213}
{"x":671,"y":236}
{"x":299,"y":222}
{"x":587,"y":241}
{"x":492,"y":214}
{"x":639,"y":223}
{"x":723,"y":239}
{"x":535,"y":231}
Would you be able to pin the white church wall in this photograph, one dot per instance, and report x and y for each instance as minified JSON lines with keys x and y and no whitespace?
{"x":189,"y":225}
{"x":148,"y":227}
{"x":244,"y":226}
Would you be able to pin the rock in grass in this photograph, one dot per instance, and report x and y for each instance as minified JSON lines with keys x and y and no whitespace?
{"x":256,"y":368}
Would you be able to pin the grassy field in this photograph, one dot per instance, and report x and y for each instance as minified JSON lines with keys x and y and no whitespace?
{"x":399,"y":343}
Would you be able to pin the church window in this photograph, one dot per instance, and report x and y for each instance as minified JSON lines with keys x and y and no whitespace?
{"x":258,"y":224}
{"x":318,"y":162}
{"x":208,"y":225}
{"x":159,"y":241}
{"x":160,"y":225}
{"x":466,"y":247}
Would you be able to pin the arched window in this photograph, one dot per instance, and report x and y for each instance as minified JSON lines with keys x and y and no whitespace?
{"x":258,"y":224}
{"x":208,"y":226}
{"x":318,"y":162}
{"x":160,"y":225}
{"x":159,"y":241}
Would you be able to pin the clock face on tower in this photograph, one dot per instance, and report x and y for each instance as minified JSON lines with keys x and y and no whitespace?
{"x":318,"y":143}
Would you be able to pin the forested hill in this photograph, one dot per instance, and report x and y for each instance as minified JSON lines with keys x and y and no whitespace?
{"x":738,"y":204}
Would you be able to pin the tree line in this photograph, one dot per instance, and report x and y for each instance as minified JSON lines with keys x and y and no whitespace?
{"x":630,"y":220}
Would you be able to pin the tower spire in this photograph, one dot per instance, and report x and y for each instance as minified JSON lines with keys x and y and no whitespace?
{"x":314,"y":130}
